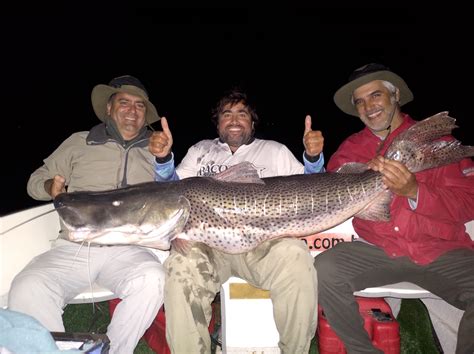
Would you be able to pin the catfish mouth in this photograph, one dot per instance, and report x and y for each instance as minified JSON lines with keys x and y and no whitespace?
{"x":129,"y":233}
{"x":112,"y":221}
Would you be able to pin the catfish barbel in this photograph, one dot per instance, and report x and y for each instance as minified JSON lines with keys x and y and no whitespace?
{"x":236,"y":210}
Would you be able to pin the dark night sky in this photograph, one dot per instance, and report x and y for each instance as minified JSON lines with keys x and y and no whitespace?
{"x":290,"y":59}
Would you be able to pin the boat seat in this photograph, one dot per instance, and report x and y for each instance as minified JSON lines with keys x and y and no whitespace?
{"x":247,"y":323}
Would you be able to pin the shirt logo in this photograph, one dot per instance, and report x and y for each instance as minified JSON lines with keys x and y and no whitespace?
{"x":211,"y":170}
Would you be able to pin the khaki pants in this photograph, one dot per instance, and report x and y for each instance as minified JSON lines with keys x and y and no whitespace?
{"x":55,"y":277}
{"x":283,"y":266}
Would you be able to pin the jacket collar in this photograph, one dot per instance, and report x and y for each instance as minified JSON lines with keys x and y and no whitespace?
{"x":108,"y":132}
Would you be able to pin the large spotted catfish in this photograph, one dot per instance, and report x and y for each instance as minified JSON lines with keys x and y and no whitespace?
{"x":235,"y":211}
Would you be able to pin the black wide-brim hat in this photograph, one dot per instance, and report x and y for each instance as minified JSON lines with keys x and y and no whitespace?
{"x":127,"y":84}
{"x":364,"y":75}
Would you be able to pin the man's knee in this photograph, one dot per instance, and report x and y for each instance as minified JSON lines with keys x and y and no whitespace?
{"x":26,"y":285}
{"x":196,"y":264}
{"x":147,"y":280}
{"x":290,"y":266}
{"x":289,"y":248}
{"x":154,"y":277}
{"x":27,"y":289}
{"x":326,"y":262}
{"x":154,"y":273}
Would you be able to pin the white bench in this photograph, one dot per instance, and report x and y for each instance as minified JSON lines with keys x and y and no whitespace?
{"x":248,"y":324}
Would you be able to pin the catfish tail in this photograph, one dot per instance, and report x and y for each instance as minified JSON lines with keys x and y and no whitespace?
{"x":419,"y":148}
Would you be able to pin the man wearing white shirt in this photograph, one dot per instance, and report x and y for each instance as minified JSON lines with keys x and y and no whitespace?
{"x":283,"y":266}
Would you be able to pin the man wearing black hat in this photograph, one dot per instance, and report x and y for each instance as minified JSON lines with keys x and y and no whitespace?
{"x":425,"y":242}
{"x":112,"y":154}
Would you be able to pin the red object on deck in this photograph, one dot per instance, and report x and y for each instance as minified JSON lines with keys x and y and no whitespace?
{"x":379,"y":323}
{"x":155,"y":335}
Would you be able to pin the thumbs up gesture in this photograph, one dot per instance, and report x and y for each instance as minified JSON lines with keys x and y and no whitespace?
{"x":313,"y":140}
{"x":161,"y":141}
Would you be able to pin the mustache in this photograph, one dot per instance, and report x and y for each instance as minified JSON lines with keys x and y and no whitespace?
{"x":230,"y":126}
{"x":375,"y":110}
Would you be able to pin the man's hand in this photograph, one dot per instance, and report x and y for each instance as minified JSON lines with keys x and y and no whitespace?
{"x":396,"y":177}
{"x":160,"y":142}
{"x":55,"y":186}
{"x":313,"y":140}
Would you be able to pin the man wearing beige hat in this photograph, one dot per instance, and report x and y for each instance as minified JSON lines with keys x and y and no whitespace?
{"x":112,"y":154}
{"x":424,"y":242}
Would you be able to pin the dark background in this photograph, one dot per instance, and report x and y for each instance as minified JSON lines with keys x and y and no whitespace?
{"x":290,"y":58}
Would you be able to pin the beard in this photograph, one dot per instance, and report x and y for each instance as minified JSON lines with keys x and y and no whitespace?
{"x":383,"y":124}
{"x":236,"y":140}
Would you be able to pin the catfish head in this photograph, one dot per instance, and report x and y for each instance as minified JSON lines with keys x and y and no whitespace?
{"x":146,"y":214}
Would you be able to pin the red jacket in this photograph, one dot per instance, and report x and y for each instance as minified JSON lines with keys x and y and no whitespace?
{"x":445,"y":204}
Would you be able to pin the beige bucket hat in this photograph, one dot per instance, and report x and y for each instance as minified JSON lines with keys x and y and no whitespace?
{"x":128,"y":84}
{"x":364,"y":75}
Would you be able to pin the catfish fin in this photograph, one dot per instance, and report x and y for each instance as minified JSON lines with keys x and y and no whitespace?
{"x":418,"y":147}
{"x":439,"y":153}
{"x":353,"y":167}
{"x":181,"y":245}
{"x":429,"y":129}
{"x":378,"y":209}
{"x":243,"y":172}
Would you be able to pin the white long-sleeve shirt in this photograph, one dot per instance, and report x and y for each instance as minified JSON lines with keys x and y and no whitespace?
{"x":209,"y":157}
